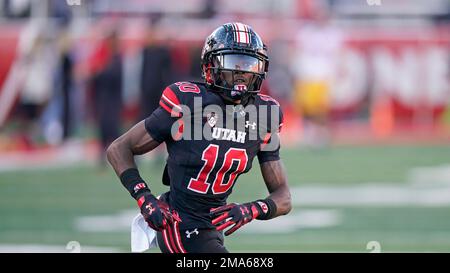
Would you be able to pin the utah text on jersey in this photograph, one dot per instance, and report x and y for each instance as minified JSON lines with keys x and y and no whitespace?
{"x":229,"y":135}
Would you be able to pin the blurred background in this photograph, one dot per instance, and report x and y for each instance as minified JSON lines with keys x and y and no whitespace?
{"x":364,"y":86}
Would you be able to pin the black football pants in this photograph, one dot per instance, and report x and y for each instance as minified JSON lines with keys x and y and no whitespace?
{"x":173,"y":240}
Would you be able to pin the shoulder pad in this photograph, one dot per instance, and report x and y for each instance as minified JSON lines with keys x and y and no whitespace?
{"x":177,"y":94}
{"x":268,"y":99}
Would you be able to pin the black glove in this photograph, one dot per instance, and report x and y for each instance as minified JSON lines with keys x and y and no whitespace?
{"x":156,"y":213}
{"x":235,"y":215}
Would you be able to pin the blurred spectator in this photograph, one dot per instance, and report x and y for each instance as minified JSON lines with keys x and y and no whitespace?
{"x":182,"y":57}
{"x":318,"y":48}
{"x":209,"y":9}
{"x":37,"y":87}
{"x":195,"y":52}
{"x":16,"y":8}
{"x":60,"y":10}
{"x":57,"y":118}
{"x":156,"y":73}
{"x":280,"y":79}
{"x":65,"y":72}
{"x":107,"y":84}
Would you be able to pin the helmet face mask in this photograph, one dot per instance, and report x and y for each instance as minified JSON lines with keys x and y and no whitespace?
{"x":234,"y":67}
{"x":237,"y":74}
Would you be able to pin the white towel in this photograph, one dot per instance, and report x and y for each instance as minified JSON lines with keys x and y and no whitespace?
{"x":142,"y":236}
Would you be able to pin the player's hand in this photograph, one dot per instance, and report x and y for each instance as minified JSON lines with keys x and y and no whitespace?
{"x":234,"y":215}
{"x":156,"y":213}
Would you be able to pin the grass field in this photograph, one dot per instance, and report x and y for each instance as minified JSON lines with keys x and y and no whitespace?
{"x":343,"y":198}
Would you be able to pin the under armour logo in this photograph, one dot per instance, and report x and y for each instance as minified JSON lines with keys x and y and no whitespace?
{"x":244,"y":210}
{"x":73,"y":2}
{"x":253,"y":125}
{"x":150,"y":209}
{"x":188,"y":234}
{"x":138,"y":187}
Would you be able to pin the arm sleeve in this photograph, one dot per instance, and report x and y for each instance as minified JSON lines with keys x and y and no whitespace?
{"x":265,"y":156}
{"x":159,"y":125}
{"x":270,"y":146}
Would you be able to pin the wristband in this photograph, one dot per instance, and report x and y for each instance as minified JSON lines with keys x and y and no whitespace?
{"x":133,"y":182}
{"x":266,"y":208}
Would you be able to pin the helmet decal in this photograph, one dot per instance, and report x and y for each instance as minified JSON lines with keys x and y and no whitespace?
{"x":241,"y":33}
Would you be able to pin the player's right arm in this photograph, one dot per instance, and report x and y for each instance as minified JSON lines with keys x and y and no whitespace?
{"x":141,"y":139}
{"x":121,"y":157}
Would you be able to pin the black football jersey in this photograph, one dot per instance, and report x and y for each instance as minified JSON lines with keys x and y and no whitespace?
{"x":210,"y":144}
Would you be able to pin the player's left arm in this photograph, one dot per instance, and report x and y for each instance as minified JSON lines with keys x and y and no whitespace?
{"x":276,"y":204}
{"x":274,"y":175}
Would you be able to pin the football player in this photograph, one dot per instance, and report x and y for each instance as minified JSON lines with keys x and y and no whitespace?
{"x":202,"y":169}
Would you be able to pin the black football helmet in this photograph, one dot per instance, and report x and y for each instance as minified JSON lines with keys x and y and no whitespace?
{"x":234,"y":61}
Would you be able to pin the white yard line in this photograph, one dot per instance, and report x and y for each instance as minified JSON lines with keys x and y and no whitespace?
{"x":427,"y":187}
{"x":304,"y":218}
{"x":120,"y":221}
{"x":74,"y":152}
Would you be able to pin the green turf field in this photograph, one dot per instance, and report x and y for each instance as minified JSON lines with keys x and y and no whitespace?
{"x":343,"y":198}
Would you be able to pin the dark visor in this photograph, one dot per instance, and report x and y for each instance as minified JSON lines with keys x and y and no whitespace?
{"x":241,"y":62}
